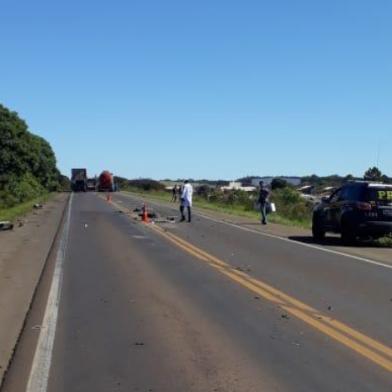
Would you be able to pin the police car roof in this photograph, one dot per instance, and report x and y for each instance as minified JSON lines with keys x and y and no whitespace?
{"x":371,"y":184}
{"x":374,"y":185}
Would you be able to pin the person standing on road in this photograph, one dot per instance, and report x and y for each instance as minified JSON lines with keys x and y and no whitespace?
{"x":263,"y":202}
{"x":179,"y":192}
{"x":174,"y":194}
{"x":186,"y":201}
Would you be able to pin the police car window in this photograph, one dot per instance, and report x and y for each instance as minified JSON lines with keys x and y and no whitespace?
{"x":336,"y":196}
{"x":351,"y":193}
{"x":344,"y":194}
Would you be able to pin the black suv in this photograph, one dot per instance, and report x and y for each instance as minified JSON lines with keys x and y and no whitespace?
{"x":357,"y":209}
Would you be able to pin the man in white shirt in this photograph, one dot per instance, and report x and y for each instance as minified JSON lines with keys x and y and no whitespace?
{"x":186,"y":200}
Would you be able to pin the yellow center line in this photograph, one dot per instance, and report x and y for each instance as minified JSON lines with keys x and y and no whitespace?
{"x":344,"y":334}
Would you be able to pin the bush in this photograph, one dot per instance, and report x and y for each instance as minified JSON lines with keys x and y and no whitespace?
{"x":291,"y":205}
{"x":27,"y":162}
{"x":19,"y":190}
{"x":146,"y":184}
{"x":278,"y":183}
{"x":64,"y":184}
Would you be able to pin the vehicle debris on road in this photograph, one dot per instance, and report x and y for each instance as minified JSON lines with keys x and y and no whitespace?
{"x":6,"y":225}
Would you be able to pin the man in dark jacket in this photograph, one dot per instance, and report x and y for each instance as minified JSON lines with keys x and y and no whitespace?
{"x":263,"y":201}
{"x":174,"y":194}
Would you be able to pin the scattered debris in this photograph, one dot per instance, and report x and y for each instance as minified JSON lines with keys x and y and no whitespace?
{"x":37,"y":206}
{"x":164,"y":221}
{"x":246,"y":269}
{"x":6,"y":225}
{"x":150,"y":213}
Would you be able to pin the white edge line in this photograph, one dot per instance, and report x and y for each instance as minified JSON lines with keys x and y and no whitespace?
{"x":331,"y":251}
{"x":39,"y":373}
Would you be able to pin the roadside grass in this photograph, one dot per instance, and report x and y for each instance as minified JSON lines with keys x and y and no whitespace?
{"x":157,"y":195}
{"x":384,"y":242}
{"x":10,"y":214}
{"x":231,"y":209}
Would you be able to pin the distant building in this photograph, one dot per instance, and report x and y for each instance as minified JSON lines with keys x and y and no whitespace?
{"x":294,"y":181}
{"x":306,"y":189}
{"x":234,"y":186}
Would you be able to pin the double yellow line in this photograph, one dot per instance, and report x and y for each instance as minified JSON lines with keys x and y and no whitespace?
{"x":344,"y":334}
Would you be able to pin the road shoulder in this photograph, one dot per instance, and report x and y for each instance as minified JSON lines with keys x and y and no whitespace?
{"x":23,"y":253}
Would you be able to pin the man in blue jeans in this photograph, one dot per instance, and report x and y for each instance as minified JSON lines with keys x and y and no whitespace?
{"x":263,"y":201}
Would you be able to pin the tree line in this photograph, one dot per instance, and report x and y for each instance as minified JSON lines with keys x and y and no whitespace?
{"x":27,"y":162}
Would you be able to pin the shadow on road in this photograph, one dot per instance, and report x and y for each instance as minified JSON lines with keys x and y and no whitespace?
{"x":336,"y":241}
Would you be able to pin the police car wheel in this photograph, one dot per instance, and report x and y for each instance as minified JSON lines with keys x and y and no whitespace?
{"x":317,"y":231}
{"x":348,"y":235}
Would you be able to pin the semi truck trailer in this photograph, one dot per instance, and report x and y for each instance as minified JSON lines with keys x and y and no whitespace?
{"x":106,"y":182}
{"x":79,"y":180}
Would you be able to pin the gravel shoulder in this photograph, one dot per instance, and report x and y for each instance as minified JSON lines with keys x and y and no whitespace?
{"x":23,"y":252}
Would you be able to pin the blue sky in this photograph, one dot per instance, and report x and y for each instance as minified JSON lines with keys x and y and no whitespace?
{"x":206,"y":89}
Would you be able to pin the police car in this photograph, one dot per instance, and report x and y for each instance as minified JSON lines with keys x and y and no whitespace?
{"x":357,"y":209}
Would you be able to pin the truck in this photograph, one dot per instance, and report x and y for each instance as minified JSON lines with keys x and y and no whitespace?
{"x":92,"y":184}
{"x":79,"y":180}
{"x":106,"y":182}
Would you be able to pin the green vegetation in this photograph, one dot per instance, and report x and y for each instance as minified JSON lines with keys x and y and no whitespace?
{"x":335,"y":181}
{"x":22,"y":209}
{"x":27,"y":165}
{"x":385,"y":242}
{"x":375,"y":174}
{"x":27,"y":162}
{"x":146,"y":184}
{"x":291,"y":208}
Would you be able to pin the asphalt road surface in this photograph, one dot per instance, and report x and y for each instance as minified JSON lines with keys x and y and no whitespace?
{"x":201,"y":307}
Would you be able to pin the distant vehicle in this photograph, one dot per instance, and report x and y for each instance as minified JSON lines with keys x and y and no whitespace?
{"x":91,"y":184}
{"x":358,"y":209}
{"x":106,"y":182}
{"x":79,"y":180}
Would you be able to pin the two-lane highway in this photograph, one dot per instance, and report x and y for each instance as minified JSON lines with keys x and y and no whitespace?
{"x":204,"y":306}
